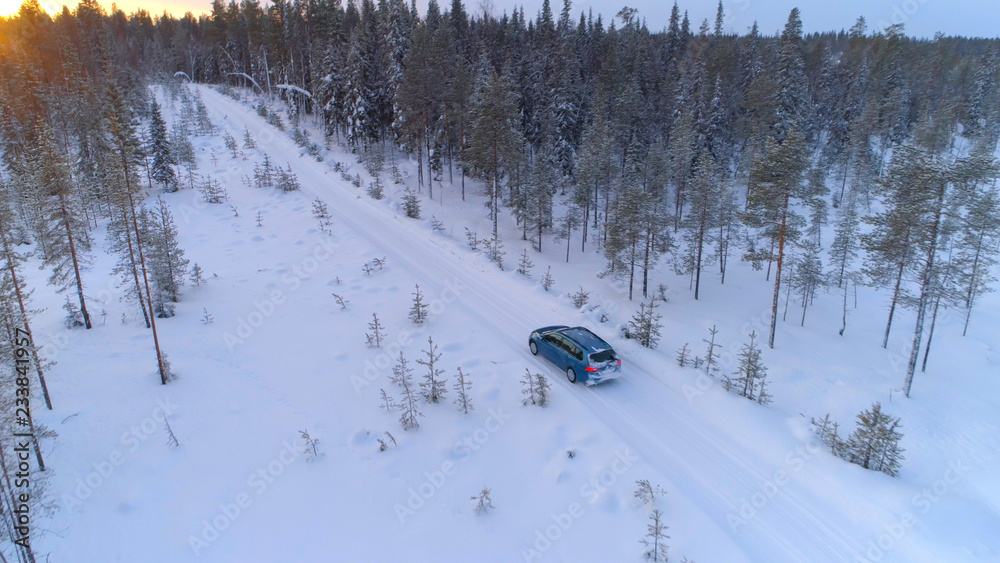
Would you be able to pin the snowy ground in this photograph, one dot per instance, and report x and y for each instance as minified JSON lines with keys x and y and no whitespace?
{"x":743,"y":482}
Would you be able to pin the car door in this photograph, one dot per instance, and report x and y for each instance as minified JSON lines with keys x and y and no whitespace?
{"x":549,"y":347}
{"x":566,"y":352}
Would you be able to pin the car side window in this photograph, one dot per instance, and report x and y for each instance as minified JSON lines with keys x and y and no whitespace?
{"x":571,"y":348}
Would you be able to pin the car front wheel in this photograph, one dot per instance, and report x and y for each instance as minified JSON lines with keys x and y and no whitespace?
{"x":533,"y":347}
{"x":571,"y":375}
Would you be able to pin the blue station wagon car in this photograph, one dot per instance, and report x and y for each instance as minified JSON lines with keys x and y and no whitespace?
{"x":580,"y":353}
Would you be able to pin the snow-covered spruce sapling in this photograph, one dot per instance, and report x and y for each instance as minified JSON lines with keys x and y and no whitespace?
{"x":874,"y":444}
{"x":535,"y":388}
{"x":287,"y":180}
{"x":696,"y":363}
{"x":418,"y":311}
{"x":197,"y":275}
{"x":711,"y":356}
{"x":236,"y":212}
{"x":375,"y":190}
{"x":207,"y":318}
{"x":248,"y":142}
{"x":391,"y":438}
{"x":472,"y":238}
{"x":231,"y":144}
{"x":462,"y":387}
{"x":379,"y":262}
{"x":436,"y":224}
{"x":483,"y":502}
{"x":408,"y":404}
{"x":827,"y":431}
{"x":387,"y":402}
{"x":547,"y":280}
{"x":171,"y":438}
{"x":682,"y":355}
{"x":495,"y":251}
{"x":377,"y":334}
{"x":321,"y":212}
{"x":750,"y":380}
{"x":656,"y":538}
{"x":74,"y":317}
{"x":571,"y":454}
{"x":580,"y":298}
{"x":411,"y":204}
{"x":646,"y":492}
{"x":311,"y":446}
{"x":341,"y":301}
{"x":260,"y":219}
{"x":645,"y":325}
{"x":433,"y":387}
{"x":367,"y":269}
{"x":525,"y":264}
{"x":543,"y":387}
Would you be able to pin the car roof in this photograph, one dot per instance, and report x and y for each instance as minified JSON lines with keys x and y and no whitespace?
{"x":585,"y":338}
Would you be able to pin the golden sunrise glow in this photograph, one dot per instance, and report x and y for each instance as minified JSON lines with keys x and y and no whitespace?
{"x":154,"y":7}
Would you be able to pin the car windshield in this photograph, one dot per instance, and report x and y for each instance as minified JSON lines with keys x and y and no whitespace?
{"x":602,"y":356}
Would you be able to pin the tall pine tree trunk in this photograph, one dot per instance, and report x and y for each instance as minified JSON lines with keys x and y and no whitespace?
{"x":777,"y":271}
{"x":926,"y":280}
{"x":134,"y":266}
{"x":76,"y":262}
{"x":892,"y":306}
{"x":930,"y":335}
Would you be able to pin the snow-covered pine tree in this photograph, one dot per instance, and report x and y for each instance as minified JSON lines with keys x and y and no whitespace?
{"x":656,"y":538}
{"x":161,"y":150}
{"x":408,"y":403}
{"x":645,"y":325}
{"x":979,"y":247}
{"x":321,"y":212}
{"x":411,"y":204}
{"x":525,"y":264}
{"x":248,"y":142}
{"x":15,"y":295}
{"x":547,"y":280}
{"x":433,"y":386}
{"x":543,"y":389}
{"x":682,"y":355}
{"x":168,"y":266}
{"x":418,"y":311}
{"x":775,"y":181}
{"x":703,"y":197}
{"x":197,"y":275}
{"x":63,"y":220}
{"x":377,"y":334}
{"x":231,"y":144}
{"x":495,"y":251}
{"x":580,"y":298}
{"x":808,"y":277}
{"x":874,"y":444}
{"x":528,"y":388}
{"x":121,"y":134}
{"x":711,"y":356}
{"x":750,"y":380}
{"x":494,"y":141}
{"x":483,"y":502}
{"x":287,"y":180}
{"x":462,"y":388}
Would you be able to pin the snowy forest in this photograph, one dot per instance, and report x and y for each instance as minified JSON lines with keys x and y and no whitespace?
{"x":825,"y":161}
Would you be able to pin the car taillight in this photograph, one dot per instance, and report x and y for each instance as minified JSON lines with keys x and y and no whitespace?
{"x":588,"y":368}
{"x":619,"y":362}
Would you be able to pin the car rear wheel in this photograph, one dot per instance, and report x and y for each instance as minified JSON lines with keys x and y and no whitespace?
{"x":533,"y":347}
{"x":571,"y":375}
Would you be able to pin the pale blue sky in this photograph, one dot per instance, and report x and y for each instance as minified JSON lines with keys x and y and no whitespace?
{"x":979,"y":18}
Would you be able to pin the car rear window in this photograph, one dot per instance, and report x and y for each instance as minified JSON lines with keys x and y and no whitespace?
{"x":603,"y":356}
